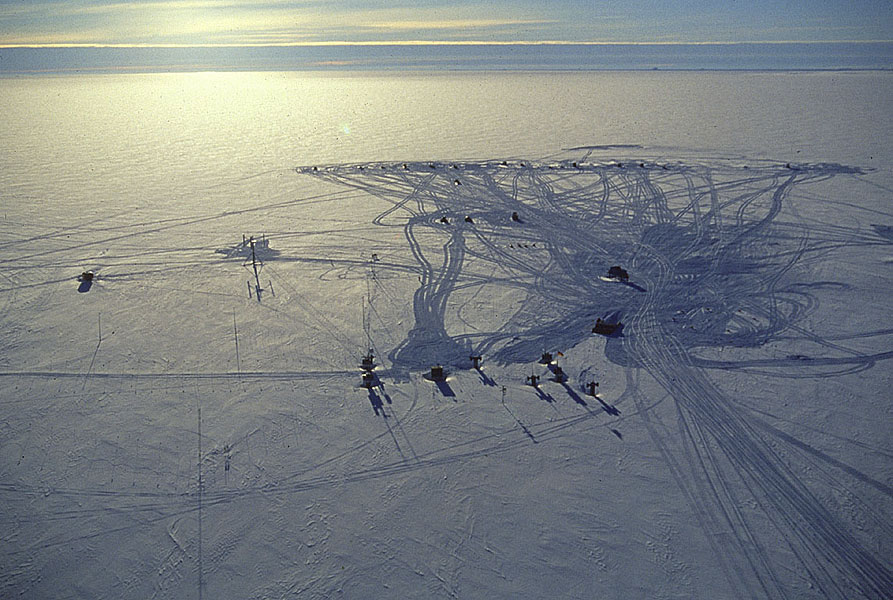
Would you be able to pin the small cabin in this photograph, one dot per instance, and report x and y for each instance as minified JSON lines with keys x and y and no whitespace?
{"x":603,"y":328}
{"x":618,"y":273}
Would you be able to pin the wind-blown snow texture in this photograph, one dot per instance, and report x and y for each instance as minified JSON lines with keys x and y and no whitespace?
{"x":199,"y":430}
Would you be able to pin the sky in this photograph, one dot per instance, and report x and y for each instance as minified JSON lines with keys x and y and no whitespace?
{"x":308,"y":22}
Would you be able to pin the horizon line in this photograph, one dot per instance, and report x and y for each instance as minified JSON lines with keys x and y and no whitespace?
{"x":98,"y":45}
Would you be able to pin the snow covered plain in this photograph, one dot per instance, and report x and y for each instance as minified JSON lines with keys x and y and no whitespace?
{"x":184,"y":428}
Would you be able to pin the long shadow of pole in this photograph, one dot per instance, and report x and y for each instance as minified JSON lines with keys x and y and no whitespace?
{"x":523,"y":427}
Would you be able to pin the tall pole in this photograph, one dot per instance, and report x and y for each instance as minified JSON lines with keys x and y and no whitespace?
{"x":367,"y":317}
{"x":254,"y":265}
{"x":200,"y":502}
{"x":236,"y":337}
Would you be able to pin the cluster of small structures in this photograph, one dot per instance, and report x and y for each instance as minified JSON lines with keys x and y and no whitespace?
{"x":575,"y":165}
{"x":445,"y":220}
{"x":558,"y":374}
{"x":437,"y":373}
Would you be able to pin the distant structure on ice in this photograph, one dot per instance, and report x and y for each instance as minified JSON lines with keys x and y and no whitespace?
{"x":604,"y":328}
{"x":618,"y":273}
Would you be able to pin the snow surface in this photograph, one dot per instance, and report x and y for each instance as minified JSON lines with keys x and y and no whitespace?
{"x":194,"y":425}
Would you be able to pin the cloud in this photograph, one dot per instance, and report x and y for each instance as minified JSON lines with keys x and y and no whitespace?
{"x":284,"y":22}
{"x":454,"y":24}
{"x":247,"y":21}
{"x":158,"y":22}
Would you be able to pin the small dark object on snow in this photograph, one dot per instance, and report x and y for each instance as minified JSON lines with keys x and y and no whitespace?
{"x":604,"y":328}
{"x":515,"y":217}
{"x":444,"y":220}
{"x":546,"y":358}
{"x":437,"y":373}
{"x":619,"y":273}
{"x":86,"y":279}
{"x":368,"y":361}
{"x":533,"y":379}
{"x":559,"y":374}
{"x":368,"y":379}
{"x":475,"y":361}
{"x":457,"y":182}
{"x":591,"y":387}
{"x":468,"y":219}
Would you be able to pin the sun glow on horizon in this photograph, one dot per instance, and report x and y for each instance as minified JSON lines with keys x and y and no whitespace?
{"x":249,"y":23}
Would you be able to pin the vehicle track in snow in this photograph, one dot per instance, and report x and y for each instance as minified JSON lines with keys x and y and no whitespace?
{"x":716,"y":258}
{"x":719,"y":256}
